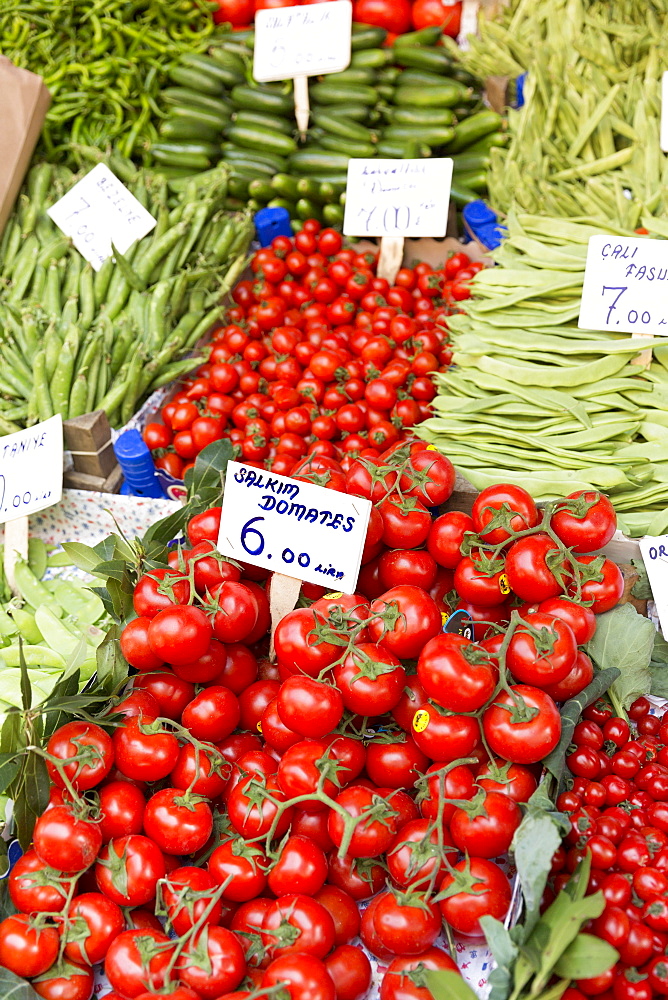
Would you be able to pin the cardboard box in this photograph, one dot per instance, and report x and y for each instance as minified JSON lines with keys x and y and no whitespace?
{"x":24,"y":102}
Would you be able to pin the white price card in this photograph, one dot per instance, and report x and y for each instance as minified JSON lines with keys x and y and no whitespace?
{"x":626,"y":286}
{"x":31,"y":469}
{"x":98,"y":211}
{"x":654,"y":551}
{"x":397,"y":197}
{"x":302,"y":41}
{"x":663,"y":135}
{"x":291,"y":527}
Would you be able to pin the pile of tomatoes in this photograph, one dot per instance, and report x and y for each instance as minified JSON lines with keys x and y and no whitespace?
{"x":319,"y":357}
{"x":361,"y":787}
{"x":618,"y":811}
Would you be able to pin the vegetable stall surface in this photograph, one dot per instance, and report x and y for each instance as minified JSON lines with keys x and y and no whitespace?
{"x":255,"y":804}
{"x":537,"y":401}
{"x":320,"y":360}
{"x":75,"y":340}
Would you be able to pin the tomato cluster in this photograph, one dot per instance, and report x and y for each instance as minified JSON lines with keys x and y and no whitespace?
{"x":254,"y":805}
{"x":618,"y":811}
{"x":319,"y":357}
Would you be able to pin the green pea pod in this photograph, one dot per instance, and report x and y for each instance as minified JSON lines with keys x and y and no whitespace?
{"x":8,"y":628}
{"x":78,"y":602}
{"x":33,"y":590}
{"x":58,"y":635}
{"x":37,"y":556}
{"x":27,"y":626}
{"x":34,"y":656}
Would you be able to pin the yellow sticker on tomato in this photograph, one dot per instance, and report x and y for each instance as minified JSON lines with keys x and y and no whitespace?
{"x":333,"y":597}
{"x":420,"y":720}
{"x":431,"y":447}
{"x":258,"y":726}
{"x":504,"y":586}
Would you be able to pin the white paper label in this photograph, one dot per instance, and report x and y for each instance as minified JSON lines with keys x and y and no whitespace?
{"x":31,"y":469}
{"x":654,"y":551}
{"x":302,"y":41}
{"x":663,"y":137}
{"x":99,"y":211}
{"x":397,"y":197}
{"x":292,"y":527}
{"x":626,"y":286}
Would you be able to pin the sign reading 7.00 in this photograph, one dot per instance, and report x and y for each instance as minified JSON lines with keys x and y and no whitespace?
{"x":293,"y":527}
{"x":625,"y":286}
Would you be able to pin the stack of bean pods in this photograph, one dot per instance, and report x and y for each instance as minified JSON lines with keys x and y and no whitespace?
{"x":76,"y":341}
{"x":408,"y":100}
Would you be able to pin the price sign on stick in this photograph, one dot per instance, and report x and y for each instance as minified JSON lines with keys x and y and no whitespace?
{"x":31,"y":478}
{"x":98,"y":211}
{"x":298,"y":42}
{"x":293,"y":528}
{"x":654,"y":551}
{"x":394,"y":199}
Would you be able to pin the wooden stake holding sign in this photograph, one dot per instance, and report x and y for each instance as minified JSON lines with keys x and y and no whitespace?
{"x":395,"y":199}
{"x":31,"y":479}
{"x":293,"y":43}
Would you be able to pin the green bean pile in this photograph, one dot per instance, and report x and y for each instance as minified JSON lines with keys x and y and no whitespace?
{"x":104,"y":62}
{"x":535,"y":401}
{"x":74,"y":340}
{"x":589,"y":128}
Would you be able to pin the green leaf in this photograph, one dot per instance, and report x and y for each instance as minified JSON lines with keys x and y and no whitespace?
{"x":536,"y":839}
{"x":82,"y":556}
{"x":555,"y":762}
{"x":26,"y":689}
{"x":14,"y":988}
{"x":641,"y":589}
{"x":12,"y":734}
{"x":505,"y":953}
{"x":624,"y":639}
{"x":205,"y":481}
{"x":587,"y":956}
{"x":448,"y":985}
{"x":10,"y":765}
{"x":112,"y":667}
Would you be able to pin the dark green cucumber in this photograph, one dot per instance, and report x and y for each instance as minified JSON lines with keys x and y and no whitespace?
{"x":310,"y":189}
{"x":435,"y":60}
{"x":263,"y":140}
{"x":185,"y":128}
{"x":488,"y":142}
{"x":436,"y":136}
{"x":262,"y":99}
{"x":425,"y":36}
{"x":285,"y":186}
{"x":238,"y":186}
{"x":460,"y":194}
{"x":261,"y":190}
{"x":331,"y":93}
{"x":226,"y":76}
{"x":358,"y":112}
{"x":235,"y":154}
{"x":249,"y":168}
{"x":404,"y":150}
{"x":349,"y":147}
{"x":463,"y":76}
{"x":374,"y":58}
{"x":470,"y":161}
{"x":307,"y":209}
{"x":427,"y":117}
{"x":385,"y":91}
{"x":338,"y":124}
{"x":336,"y":181}
{"x":313,"y":161}
{"x":194,"y":79}
{"x":476,"y":180}
{"x":255,"y":119}
{"x":366,"y":37}
{"x":184,"y":154}
{"x":233,"y":44}
{"x":206,"y":118}
{"x":333,"y":215}
{"x":438,"y":96}
{"x":474,"y":128}
{"x":236,"y":62}
{"x":425,"y":78}
{"x":188,"y":98}
{"x":354,"y":74}
{"x":285,"y":203}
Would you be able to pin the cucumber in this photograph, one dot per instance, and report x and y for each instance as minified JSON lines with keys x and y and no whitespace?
{"x":329,"y":192}
{"x":234,"y":45}
{"x":233,"y":61}
{"x":285,"y":186}
{"x":194,"y":79}
{"x":444,"y":95}
{"x":402,"y":150}
{"x":238,"y":186}
{"x":385,"y":91}
{"x":338,"y":125}
{"x":487,"y":143}
{"x":285,"y":203}
{"x":437,"y":136}
{"x":333,"y":215}
{"x":249,"y":168}
{"x":476,"y":180}
{"x":421,"y":116}
{"x":207,"y":118}
{"x":310,"y":189}
{"x":374,"y":58}
{"x":235,"y":154}
{"x":336,"y":181}
{"x":463,"y":76}
{"x":261,"y":190}
{"x":308,"y":209}
{"x":263,"y":140}
{"x":425,"y":36}
{"x":182,"y":154}
{"x":388,"y":75}
{"x":262,"y":99}
{"x":434,"y":60}
{"x":354,"y":74}
{"x":366,"y":37}
{"x":328,"y":93}
{"x":214,"y":69}
{"x":474,"y":128}
{"x":184,"y":128}
{"x":187,"y":98}
{"x":313,"y":161}
{"x":460,"y":194}
{"x":470,"y":161}
{"x":425,"y":78}
{"x":348,"y":146}
{"x":256,"y":119}
{"x":358,"y":112}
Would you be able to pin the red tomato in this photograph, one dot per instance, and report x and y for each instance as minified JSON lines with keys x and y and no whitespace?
{"x":127,"y":970}
{"x":585,"y":521}
{"x":303,"y":977}
{"x":69,"y":741}
{"x":64,"y":841}
{"x":485,"y":830}
{"x":458,"y":674}
{"x":101,"y":918}
{"x":411,"y":616}
{"x":542,"y":650}
{"x":32,"y":888}
{"x":514,"y":736}
{"x":136,"y":865}
{"x":348,"y":966}
{"x":446,"y":536}
{"x":301,"y":867}
{"x":403,"y":975}
{"x":24,"y":949}
{"x":491,"y":896}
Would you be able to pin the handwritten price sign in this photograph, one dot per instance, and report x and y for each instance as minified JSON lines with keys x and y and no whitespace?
{"x":31,"y":469}
{"x":302,"y":41}
{"x":397,"y":197}
{"x":99,"y":211}
{"x":292,"y":527}
{"x":626,"y":286}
